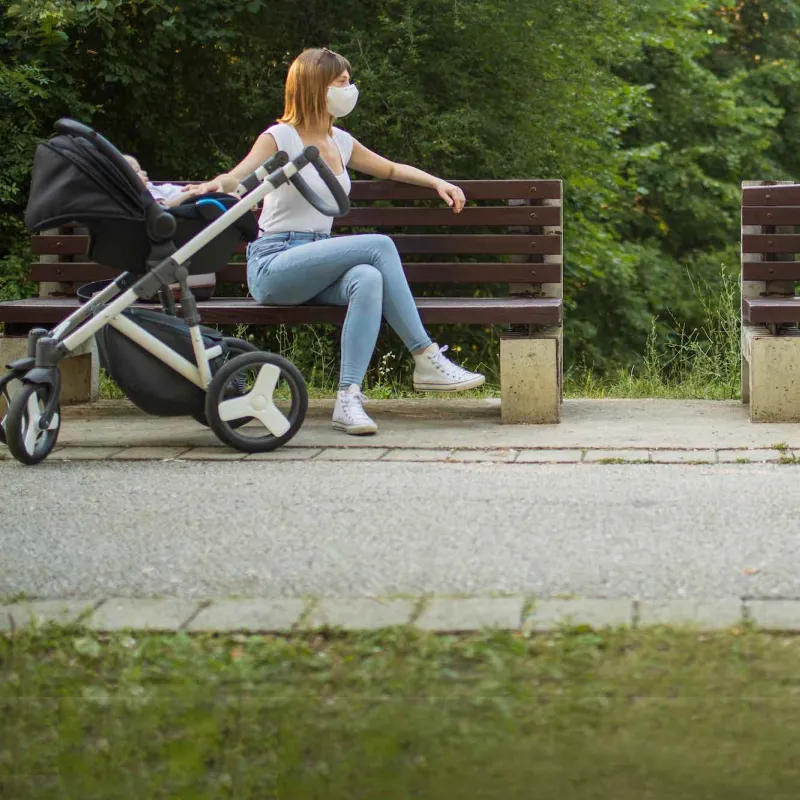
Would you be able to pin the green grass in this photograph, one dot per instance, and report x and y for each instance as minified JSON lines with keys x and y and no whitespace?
{"x":109,"y":390}
{"x":575,"y":715}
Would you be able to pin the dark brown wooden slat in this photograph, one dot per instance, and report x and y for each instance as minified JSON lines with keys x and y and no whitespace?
{"x":426,"y":272}
{"x":786,"y":195}
{"x":771,"y":270}
{"x":46,"y":310}
{"x":70,"y":245}
{"x":503,"y":244}
{"x":75,"y":245}
{"x":460,"y":244}
{"x":471,"y":215}
{"x":483,"y":273}
{"x":770,"y":243}
{"x":76,"y":272}
{"x":771,"y":215}
{"x":771,"y":310}
{"x":474,"y":190}
{"x":437,"y":310}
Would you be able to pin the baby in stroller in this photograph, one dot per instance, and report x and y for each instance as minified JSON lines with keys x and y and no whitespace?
{"x":170,"y":195}
{"x":168,"y":365}
{"x":166,"y":194}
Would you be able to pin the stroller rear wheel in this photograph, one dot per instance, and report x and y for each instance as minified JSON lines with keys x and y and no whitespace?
{"x":233,"y":348}
{"x":28,"y":442}
{"x":262,"y":389}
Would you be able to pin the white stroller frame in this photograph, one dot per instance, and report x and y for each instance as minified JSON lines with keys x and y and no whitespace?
{"x":46,"y":349}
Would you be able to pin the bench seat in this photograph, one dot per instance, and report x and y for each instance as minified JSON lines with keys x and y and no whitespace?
{"x":771,"y":310}
{"x":542,"y":311}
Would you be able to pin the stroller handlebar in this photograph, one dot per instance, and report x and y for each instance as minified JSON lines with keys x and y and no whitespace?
{"x":310,"y":155}
{"x":253,"y":180}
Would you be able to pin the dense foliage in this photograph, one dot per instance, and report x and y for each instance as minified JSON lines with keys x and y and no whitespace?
{"x":652,"y":111}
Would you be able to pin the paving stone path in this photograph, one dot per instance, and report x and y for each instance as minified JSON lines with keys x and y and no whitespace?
{"x":505,"y":455}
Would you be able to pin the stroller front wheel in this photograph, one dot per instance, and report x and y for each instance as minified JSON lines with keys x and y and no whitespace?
{"x":266,"y":390}
{"x":28,"y":442}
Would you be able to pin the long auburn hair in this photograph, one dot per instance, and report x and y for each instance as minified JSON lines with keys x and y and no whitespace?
{"x":306,"y":92}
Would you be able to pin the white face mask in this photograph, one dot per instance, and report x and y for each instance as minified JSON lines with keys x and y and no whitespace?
{"x":342,"y":100}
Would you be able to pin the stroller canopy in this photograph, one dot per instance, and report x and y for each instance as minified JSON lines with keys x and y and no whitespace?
{"x":74,"y":182}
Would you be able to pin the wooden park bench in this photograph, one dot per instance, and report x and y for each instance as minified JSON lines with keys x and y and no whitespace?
{"x":770,"y":309}
{"x":522,"y":249}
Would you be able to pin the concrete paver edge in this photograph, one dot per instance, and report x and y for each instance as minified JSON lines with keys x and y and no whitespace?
{"x":776,"y":614}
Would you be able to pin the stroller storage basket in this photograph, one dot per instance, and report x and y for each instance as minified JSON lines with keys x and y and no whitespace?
{"x":147,"y":381}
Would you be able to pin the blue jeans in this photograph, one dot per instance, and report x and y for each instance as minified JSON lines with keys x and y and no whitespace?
{"x":362,"y":272}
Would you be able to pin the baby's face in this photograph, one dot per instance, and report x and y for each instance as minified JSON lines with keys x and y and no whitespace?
{"x":137,"y":169}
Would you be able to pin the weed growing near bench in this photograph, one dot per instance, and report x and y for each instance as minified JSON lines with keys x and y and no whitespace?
{"x":396,"y":714}
{"x":109,"y":390}
{"x":702,"y":364}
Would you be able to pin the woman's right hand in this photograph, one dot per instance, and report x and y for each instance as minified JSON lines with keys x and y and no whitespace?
{"x":264,"y":148}
{"x":222,"y":183}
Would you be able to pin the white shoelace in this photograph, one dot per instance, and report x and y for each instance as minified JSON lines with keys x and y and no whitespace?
{"x":352,"y":406}
{"x":445,"y":366}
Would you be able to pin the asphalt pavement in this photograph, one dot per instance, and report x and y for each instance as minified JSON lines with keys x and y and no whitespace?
{"x":195,"y":529}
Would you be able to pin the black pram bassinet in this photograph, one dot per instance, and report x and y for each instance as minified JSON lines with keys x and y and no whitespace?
{"x":74,"y":181}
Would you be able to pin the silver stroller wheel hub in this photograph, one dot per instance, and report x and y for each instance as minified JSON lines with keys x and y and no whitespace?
{"x":34,"y":430}
{"x":258,"y":403}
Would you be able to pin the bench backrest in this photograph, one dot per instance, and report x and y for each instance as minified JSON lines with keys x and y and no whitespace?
{"x":520,"y":220}
{"x":769,"y":244}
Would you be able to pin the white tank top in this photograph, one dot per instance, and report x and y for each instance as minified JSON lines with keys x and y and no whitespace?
{"x":285,"y":209}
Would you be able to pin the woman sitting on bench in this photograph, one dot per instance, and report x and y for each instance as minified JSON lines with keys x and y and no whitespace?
{"x":296,"y":261}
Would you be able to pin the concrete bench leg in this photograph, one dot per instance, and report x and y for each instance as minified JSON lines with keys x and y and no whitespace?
{"x":773,"y":374}
{"x":745,"y":380}
{"x":530,"y":379}
{"x":80,"y":372}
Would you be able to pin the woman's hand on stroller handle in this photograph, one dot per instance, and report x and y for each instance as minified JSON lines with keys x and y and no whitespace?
{"x":286,"y":172}
{"x":222,"y":183}
{"x":228,"y":183}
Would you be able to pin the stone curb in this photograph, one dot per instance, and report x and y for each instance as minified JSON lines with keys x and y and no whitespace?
{"x":434,"y":614}
{"x":459,"y":455}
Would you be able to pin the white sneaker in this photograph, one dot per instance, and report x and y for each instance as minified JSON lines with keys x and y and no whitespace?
{"x":349,"y":415}
{"x":435,"y":373}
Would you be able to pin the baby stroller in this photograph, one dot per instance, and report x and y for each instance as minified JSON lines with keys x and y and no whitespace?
{"x":254,"y":401}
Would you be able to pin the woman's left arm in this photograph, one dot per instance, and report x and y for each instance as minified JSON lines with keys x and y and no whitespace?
{"x":364,"y":160}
